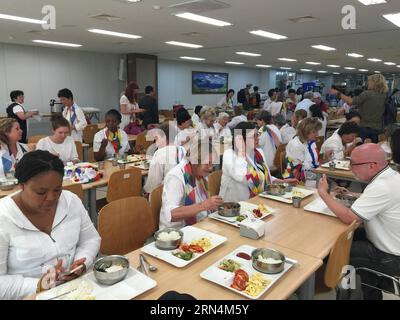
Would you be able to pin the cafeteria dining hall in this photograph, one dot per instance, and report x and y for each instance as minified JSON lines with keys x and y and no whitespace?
{"x":204,"y":150}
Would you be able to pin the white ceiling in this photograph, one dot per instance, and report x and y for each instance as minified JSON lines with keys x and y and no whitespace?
{"x":374,"y":37}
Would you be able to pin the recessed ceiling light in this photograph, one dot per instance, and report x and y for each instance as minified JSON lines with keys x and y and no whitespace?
{"x":287,"y":59}
{"x":133,"y":1}
{"x":313,"y":63}
{"x":114,"y":34}
{"x":263,"y":66}
{"x":286,"y":68}
{"x":54,"y":43}
{"x":322,"y":47}
{"x":390,"y":63}
{"x":183,"y":44}
{"x":322,"y":71}
{"x":363,"y":70}
{"x":377,"y":71}
{"x":250,"y":54}
{"x":202,"y":19}
{"x":234,"y":62}
{"x":333,"y":66}
{"x":306,"y":70}
{"x":350,"y":68}
{"x":374,"y":60}
{"x":192,"y":58}
{"x":267,"y":34}
{"x":21,"y":19}
{"x":393,"y":18}
{"x":355,"y":55}
{"x":336,"y":73}
{"x":398,"y":66}
{"x":371,"y":2}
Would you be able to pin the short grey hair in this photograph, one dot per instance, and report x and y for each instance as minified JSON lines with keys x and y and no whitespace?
{"x":309,"y":95}
{"x":208,"y":112}
{"x":222,"y":115}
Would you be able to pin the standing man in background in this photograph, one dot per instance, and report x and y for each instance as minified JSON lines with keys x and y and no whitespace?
{"x":149,"y":104}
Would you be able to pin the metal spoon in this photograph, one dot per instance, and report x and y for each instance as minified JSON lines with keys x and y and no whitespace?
{"x":151,"y":267}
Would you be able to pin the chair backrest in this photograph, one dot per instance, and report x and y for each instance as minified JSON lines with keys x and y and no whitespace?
{"x":141,"y":144}
{"x":124,"y":225}
{"x":339,"y":257}
{"x":89,"y":133}
{"x":35,"y":139}
{"x":124,"y":183}
{"x":277,"y":160}
{"x":91,"y":155}
{"x":75,"y":188}
{"x":214,"y":182}
{"x":155,"y":203}
{"x":79,"y":149}
{"x":320,"y":141}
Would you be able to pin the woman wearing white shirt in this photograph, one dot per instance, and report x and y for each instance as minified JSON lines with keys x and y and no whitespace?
{"x":227,"y":101}
{"x":60,"y":143}
{"x":73,"y":113}
{"x":221,"y":126}
{"x":128,"y":104}
{"x":185,"y":199}
{"x":322,"y":117}
{"x":184,"y":127}
{"x":239,"y":117}
{"x":164,"y":159}
{"x":44,"y":231}
{"x":196,"y":121}
{"x":206,"y":128}
{"x":11,"y":149}
{"x":245,"y":173}
{"x":111,"y":140}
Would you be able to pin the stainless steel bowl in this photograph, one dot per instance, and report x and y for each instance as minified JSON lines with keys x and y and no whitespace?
{"x":288,"y":187}
{"x":7,"y":185}
{"x":346,"y":199}
{"x":110,"y":278}
{"x":276,"y":189}
{"x":168,"y":245}
{"x":229,"y":209}
{"x":267,"y":267}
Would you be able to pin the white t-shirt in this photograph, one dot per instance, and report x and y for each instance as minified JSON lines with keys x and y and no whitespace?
{"x":324,"y":123}
{"x":379,"y":208}
{"x":334,"y":142}
{"x":80,"y":122}
{"x":162,"y":162}
{"x":98,"y":138}
{"x":287,"y":133}
{"x":21,"y":150}
{"x":26,"y":252}
{"x":225,"y":132}
{"x":126,"y":118}
{"x":300,"y":153}
{"x":274,"y":107}
{"x":66,"y":151}
{"x":182,"y":136}
{"x":304,"y":105}
{"x":225,"y":104}
{"x":195,"y":120}
{"x":236,"y":120}
{"x":268,"y":147}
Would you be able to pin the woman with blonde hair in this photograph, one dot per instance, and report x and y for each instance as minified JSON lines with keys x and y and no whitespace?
{"x":206,"y":127}
{"x":371,"y":106}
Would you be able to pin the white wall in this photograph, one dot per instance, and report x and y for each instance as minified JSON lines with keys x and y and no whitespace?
{"x":175,"y":82}
{"x":40,"y":72}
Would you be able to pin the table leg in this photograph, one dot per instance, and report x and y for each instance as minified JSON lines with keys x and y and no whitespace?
{"x":85,"y":154}
{"x":307,"y":289}
{"x":93,"y":206}
{"x":86,"y":202}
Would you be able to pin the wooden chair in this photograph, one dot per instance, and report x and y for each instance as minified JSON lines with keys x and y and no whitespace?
{"x":214,"y":182}
{"x":168,"y":113}
{"x":155,"y":204}
{"x":320,"y":141}
{"x":75,"y":188}
{"x":142,"y":144}
{"x":91,"y":155}
{"x":35,"y":139}
{"x":278,"y":161}
{"x":124,"y":183}
{"x":89,"y":133}
{"x":124,"y":225}
{"x":79,"y":149}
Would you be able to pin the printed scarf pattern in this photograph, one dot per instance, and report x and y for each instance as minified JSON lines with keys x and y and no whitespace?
{"x":258,"y":176}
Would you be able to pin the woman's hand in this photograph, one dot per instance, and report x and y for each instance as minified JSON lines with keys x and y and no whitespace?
{"x":78,"y":273}
{"x":292,"y":181}
{"x":212,"y":204}
{"x":52,"y":277}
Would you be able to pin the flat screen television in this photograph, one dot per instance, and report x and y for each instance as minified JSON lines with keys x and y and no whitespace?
{"x":209,"y":82}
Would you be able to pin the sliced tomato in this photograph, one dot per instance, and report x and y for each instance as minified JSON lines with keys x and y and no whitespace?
{"x":242,"y":274}
{"x":195,"y":248}
{"x":184,"y":247}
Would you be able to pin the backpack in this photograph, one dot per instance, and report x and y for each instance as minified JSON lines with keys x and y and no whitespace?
{"x":390,"y":113}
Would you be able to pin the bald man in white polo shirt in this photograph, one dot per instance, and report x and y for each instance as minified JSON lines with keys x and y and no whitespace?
{"x":378,"y":208}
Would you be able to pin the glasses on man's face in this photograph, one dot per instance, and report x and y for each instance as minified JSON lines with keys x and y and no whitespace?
{"x":352,"y":164}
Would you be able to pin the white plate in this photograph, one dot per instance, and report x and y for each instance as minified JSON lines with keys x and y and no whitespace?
{"x":244,"y":207}
{"x":225,"y":279}
{"x":287,"y":197}
{"x":189,"y":234}
{"x":319,"y":206}
{"x":132,"y":286}
{"x":340,"y":165}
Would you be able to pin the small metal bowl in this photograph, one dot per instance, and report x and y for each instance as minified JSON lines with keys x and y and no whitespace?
{"x":110,"y":278}
{"x":288,"y":187}
{"x":8,"y":185}
{"x":168,"y":245}
{"x":267,"y":267}
{"x":229,"y":209}
{"x":346,"y":199}
{"x":276,"y":189}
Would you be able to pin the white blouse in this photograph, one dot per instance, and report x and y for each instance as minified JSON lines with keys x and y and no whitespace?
{"x":225,"y":132}
{"x":287,"y":133}
{"x":80,"y":123}
{"x":163,"y":161}
{"x":174,"y":197}
{"x":236,"y":120}
{"x":195,"y":120}
{"x":27,"y":253}
{"x":5,"y":152}
{"x":234,"y":186}
{"x":223,"y":103}
{"x":182,"y":135}
{"x":334,"y":143}
{"x":110,"y":152}
{"x":299,"y":153}
{"x":66,"y":151}
{"x":126,"y":118}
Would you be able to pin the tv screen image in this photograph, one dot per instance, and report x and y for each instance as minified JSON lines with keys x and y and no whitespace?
{"x":209,"y":82}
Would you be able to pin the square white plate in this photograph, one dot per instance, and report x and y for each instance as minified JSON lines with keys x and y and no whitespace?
{"x":132,"y":286}
{"x":340,"y":165}
{"x":244,"y":207}
{"x":225,"y":279}
{"x":189,"y":234}
{"x":319,"y":206}
{"x":287,"y":197}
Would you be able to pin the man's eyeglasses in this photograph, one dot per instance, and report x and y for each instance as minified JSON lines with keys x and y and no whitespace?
{"x":352,"y":164}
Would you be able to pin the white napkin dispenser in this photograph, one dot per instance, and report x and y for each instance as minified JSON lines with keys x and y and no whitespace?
{"x":252,"y":229}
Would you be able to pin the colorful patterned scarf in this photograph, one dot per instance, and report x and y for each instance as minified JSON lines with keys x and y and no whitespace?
{"x":258,"y":176}
{"x":190,"y":190}
{"x":115,"y":139}
{"x":272,"y":135}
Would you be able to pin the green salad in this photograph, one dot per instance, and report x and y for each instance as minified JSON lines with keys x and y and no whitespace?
{"x":229,"y":265}
{"x":187,"y":256}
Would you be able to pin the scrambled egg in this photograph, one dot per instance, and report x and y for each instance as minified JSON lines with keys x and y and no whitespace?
{"x":257,"y":283}
{"x":298,"y":194}
{"x":205,"y":243}
{"x":264,"y":209}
